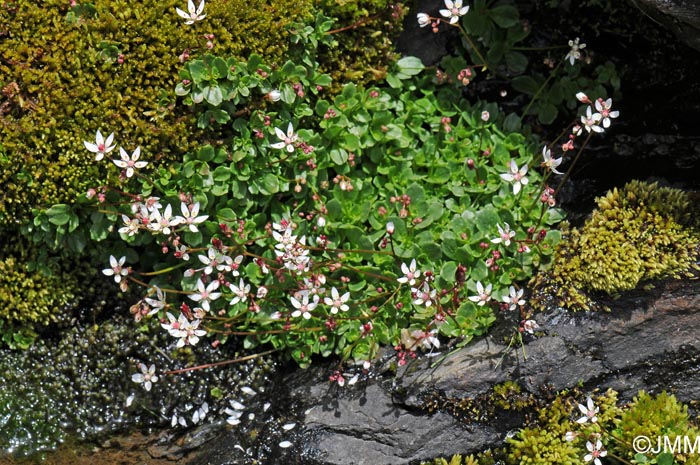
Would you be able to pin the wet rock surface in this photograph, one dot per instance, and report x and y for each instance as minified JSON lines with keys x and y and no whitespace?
{"x":647,"y":341}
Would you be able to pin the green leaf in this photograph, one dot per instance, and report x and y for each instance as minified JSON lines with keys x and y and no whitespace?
{"x":198,"y":71}
{"x":268,"y":184}
{"x":505,"y":15}
{"x":225,"y":214}
{"x":408,"y":66}
{"x":219,"y":68}
{"x":59,"y":214}
{"x":206,"y":153}
{"x":516,"y":61}
{"x":547,"y":113}
{"x":512,"y":123}
{"x":486,"y":219}
{"x":665,"y":458}
{"x":213,"y":95}
{"x":448,"y":271}
{"x":525,"y":84}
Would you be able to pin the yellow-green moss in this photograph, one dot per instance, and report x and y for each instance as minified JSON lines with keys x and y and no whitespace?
{"x":35,"y":297}
{"x":61,"y":82}
{"x":638,"y":233}
{"x":454,"y":460}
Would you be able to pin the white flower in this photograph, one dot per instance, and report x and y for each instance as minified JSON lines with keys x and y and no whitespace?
{"x":240,"y":292}
{"x":423,"y":296}
{"x":303,"y":306}
{"x":206,"y":295}
{"x":590,"y":121}
{"x":129,"y":163}
{"x":583,"y":98}
{"x":595,"y":452}
{"x":101,"y":147}
{"x":337,"y":302}
{"x":131,"y":226}
{"x":590,"y":412}
{"x":285,"y":444}
{"x":549,"y":162}
{"x":189,"y":216}
{"x":192,"y":15}
{"x":163,"y":222}
{"x":529,"y":326}
{"x":570,"y":436}
{"x":504,"y":235}
{"x":604,"y":107}
{"x":274,"y":95}
{"x":215,"y":259}
{"x":483,"y":294}
{"x":117,"y":268}
{"x":423,"y":19}
{"x":188,"y":332}
{"x":147,"y":376}
{"x":288,"y":140}
{"x":409,"y":273}
{"x":515,"y":298}
{"x":158,"y":303}
{"x":390,"y":228}
{"x":454,"y":10}
{"x":575,"y":51}
{"x":516,"y":176}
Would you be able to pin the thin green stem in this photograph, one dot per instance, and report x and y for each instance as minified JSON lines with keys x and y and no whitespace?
{"x":539,"y":91}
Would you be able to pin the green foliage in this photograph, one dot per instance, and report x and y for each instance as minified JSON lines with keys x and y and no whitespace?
{"x":324,"y":178}
{"x":638,"y":233}
{"x":542,"y":75}
{"x":454,"y":460}
{"x":546,"y":442}
{"x":365,"y":33}
{"x":62,"y":79}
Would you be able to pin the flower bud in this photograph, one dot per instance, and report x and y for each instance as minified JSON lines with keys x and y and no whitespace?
{"x":390,"y":228}
{"x":274,"y":95}
{"x":583,"y":98}
{"x":485,"y":115}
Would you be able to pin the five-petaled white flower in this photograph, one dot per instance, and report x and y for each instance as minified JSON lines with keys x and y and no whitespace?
{"x":129,"y":163}
{"x":288,"y":140}
{"x":595,"y":451}
{"x":516,"y":176}
{"x":410,"y":273}
{"x":189,"y":216}
{"x":590,"y":412}
{"x":147,"y":376}
{"x":604,"y":113}
{"x":454,"y":10}
{"x":549,"y":162}
{"x":183,"y":329}
{"x":131,"y":226}
{"x":575,"y":51}
{"x":424,"y":295}
{"x":240,"y":292}
{"x":337,"y":301}
{"x":163,"y":222}
{"x":117,"y":268}
{"x":101,"y":147}
{"x":590,"y":121}
{"x":158,"y":303}
{"x":483,"y":294}
{"x":504,"y":235}
{"x":423,"y":19}
{"x":515,"y":299}
{"x":303,"y":306}
{"x":192,"y":15}
{"x":206,"y":295}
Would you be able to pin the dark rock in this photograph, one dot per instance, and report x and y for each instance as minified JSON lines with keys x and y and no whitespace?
{"x":682,"y":17}
{"x":648,"y":341}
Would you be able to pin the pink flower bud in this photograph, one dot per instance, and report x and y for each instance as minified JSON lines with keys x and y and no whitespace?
{"x":390,"y":228}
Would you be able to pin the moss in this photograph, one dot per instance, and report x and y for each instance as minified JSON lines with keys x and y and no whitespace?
{"x":32,"y":296}
{"x":454,"y":460}
{"x":365,"y":33}
{"x":61,"y":81}
{"x":638,"y":233}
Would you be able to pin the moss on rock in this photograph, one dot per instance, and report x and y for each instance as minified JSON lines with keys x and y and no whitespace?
{"x":638,"y":233}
